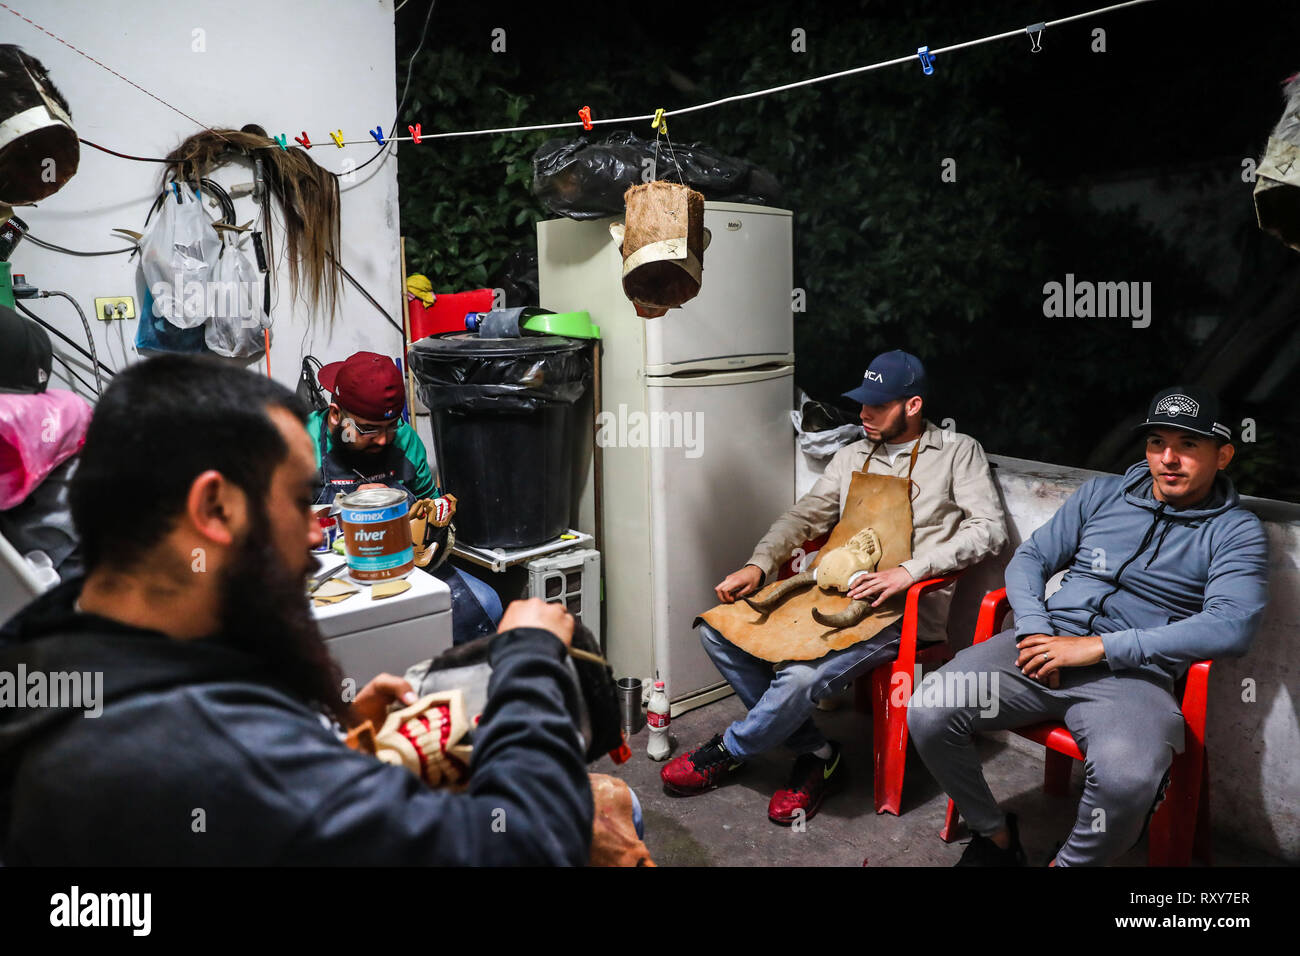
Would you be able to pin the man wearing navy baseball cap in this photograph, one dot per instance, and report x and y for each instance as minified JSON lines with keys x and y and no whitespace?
{"x":957,"y":520}
{"x":1164,"y":567}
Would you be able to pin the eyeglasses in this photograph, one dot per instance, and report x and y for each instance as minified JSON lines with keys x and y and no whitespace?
{"x":367,"y":430}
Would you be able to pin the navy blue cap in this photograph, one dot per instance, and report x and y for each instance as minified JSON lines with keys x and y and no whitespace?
{"x":1190,"y":408}
{"x":895,"y":374}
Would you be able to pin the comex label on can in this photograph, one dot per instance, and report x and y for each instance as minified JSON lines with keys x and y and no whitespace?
{"x":376,"y":532}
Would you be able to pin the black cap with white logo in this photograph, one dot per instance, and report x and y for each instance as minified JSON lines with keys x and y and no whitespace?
{"x":1191,"y":409}
{"x":25,"y":354}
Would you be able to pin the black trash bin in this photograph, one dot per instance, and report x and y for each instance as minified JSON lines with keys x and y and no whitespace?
{"x":503,"y":417}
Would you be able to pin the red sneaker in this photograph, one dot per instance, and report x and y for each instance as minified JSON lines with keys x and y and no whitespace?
{"x":702,"y":769}
{"x":808,"y":783}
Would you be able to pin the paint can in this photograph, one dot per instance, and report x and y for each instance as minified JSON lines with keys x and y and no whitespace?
{"x":376,"y":530}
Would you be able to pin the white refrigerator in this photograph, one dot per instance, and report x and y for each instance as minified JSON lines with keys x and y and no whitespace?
{"x":694,"y":431}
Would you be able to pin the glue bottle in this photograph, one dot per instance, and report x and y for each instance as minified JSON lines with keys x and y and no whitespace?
{"x":657,"y":718}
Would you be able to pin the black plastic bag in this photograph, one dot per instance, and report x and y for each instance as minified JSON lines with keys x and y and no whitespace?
{"x":581,"y":179}
{"x":461,"y":371}
{"x":517,"y":278}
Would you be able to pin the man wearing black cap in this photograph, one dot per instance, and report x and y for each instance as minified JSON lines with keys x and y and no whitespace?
{"x":1163,"y":568}
{"x":957,"y":520}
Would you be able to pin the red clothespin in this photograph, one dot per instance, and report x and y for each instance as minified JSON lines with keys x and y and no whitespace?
{"x":302,"y":140}
{"x":585,"y":115}
{"x":283,"y":140}
{"x":378,"y":134}
{"x":338,"y":138}
{"x":415,"y":133}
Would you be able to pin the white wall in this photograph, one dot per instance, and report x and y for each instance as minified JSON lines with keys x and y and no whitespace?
{"x":287,"y":65}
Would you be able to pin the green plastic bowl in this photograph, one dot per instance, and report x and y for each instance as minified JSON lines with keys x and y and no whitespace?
{"x":574,"y":325}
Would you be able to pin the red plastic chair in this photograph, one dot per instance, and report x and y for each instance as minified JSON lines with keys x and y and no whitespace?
{"x":1180,"y":826}
{"x":890,"y":687}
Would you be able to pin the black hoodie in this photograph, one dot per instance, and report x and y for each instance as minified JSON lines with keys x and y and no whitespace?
{"x":199,"y":758}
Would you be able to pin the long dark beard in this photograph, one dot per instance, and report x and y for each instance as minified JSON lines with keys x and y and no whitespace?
{"x":265,"y":612}
{"x":365,"y":462}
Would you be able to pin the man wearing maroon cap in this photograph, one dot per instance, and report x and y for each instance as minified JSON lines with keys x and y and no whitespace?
{"x":361,"y":439}
{"x":362,"y":442}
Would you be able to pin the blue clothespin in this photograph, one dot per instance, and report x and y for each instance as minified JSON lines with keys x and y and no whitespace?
{"x":378,"y":134}
{"x":283,"y":140}
{"x":927,"y":59}
{"x":176,"y":188}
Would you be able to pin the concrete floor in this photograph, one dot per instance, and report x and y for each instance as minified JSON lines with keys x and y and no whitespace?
{"x":729,"y":826}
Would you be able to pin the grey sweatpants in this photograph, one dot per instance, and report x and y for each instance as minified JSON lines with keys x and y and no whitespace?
{"x":1127,"y":725}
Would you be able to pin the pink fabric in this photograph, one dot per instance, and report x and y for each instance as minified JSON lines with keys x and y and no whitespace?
{"x":37,"y":434}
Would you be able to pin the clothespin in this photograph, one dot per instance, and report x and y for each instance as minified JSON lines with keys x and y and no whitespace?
{"x":283,"y":140}
{"x":927,"y":59}
{"x":378,"y":134}
{"x":659,"y":122}
{"x":415,"y":133}
{"x":1035,"y":31}
{"x":176,"y":188}
{"x":584,"y":114}
{"x":302,"y":140}
{"x":338,"y":138}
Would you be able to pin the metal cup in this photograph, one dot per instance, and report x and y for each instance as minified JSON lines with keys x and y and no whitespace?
{"x":629,"y":702}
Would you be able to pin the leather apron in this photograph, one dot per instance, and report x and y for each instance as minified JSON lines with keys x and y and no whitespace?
{"x":789,"y":633}
{"x":390,"y":467}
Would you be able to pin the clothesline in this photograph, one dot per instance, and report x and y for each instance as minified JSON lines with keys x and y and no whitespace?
{"x":924,"y":54}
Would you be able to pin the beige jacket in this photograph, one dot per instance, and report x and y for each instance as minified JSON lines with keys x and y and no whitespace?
{"x":957,"y":517}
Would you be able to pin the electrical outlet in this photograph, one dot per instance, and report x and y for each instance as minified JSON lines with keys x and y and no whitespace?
{"x":115,"y":307}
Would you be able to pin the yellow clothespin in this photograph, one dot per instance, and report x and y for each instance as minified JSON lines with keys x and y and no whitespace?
{"x":338,"y":138}
{"x":660,"y":123}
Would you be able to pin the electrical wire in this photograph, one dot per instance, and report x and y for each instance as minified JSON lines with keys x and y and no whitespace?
{"x":113,"y":152}
{"x":410,"y":64}
{"x":49,"y":328}
{"x":370,"y":298}
{"x":73,"y":252}
{"x":72,"y":371}
{"x":90,"y":339}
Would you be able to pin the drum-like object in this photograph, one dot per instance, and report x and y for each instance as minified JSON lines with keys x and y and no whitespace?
{"x":663,"y":241}
{"x":39,"y":151}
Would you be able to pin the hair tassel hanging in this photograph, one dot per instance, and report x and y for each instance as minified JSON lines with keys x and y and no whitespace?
{"x":308,"y":196}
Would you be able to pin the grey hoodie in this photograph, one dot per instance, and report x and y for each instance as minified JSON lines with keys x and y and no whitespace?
{"x":1163,"y":587}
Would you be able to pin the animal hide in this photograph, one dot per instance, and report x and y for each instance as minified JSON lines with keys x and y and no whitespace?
{"x":790,"y":632}
{"x":663,"y":241}
{"x":1277,"y":178}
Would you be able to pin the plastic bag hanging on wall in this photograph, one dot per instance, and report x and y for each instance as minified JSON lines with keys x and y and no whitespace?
{"x":177,"y":257}
{"x":1277,"y":179}
{"x":236,"y":320}
{"x":662,"y":240}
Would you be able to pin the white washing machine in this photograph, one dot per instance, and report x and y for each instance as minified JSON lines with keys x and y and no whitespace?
{"x":369,"y":637}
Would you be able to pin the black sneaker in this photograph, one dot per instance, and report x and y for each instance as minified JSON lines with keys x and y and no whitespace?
{"x":702,"y":769}
{"x":981,"y":851}
{"x":809,"y":781}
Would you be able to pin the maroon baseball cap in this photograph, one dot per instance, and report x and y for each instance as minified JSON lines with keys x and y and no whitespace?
{"x":365,"y":383}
